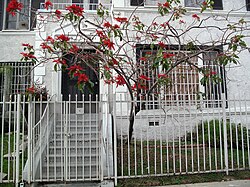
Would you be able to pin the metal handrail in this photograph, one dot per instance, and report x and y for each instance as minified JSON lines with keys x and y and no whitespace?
{"x":44,"y":112}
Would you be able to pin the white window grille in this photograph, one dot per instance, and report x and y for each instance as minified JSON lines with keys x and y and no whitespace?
{"x":15,"y":77}
{"x":184,"y":80}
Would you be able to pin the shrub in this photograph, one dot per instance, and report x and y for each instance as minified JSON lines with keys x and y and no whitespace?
{"x":215,"y":129}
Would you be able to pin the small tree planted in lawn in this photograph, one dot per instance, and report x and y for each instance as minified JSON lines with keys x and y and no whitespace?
{"x":173,"y":36}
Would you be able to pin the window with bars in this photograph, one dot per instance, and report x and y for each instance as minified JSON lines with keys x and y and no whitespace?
{"x":197,"y":3}
{"x":184,"y":80}
{"x":15,"y":77}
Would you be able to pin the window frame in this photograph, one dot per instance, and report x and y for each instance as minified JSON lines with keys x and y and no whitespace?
{"x":218,"y":89}
{"x":16,"y":80}
{"x":218,"y":4}
{"x":30,"y":19}
{"x":248,"y":5}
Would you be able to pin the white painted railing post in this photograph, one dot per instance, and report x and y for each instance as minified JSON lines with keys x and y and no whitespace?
{"x":29,"y":139}
{"x":225,"y":132}
{"x":2,"y":132}
{"x":18,"y":138}
{"x":115,"y":138}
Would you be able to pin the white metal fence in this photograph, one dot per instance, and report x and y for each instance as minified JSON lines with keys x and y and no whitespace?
{"x":184,"y":137}
{"x":47,"y":139}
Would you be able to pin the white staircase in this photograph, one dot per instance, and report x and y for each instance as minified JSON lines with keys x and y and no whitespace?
{"x":74,"y":149}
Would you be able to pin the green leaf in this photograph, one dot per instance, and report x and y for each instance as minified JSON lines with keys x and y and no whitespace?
{"x":55,"y":67}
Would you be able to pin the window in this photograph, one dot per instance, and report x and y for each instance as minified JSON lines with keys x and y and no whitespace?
{"x":15,"y":77}
{"x":248,"y":5}
{"x":1,"y":15}
{"x":146,"y":3}
{"x":86,"y":4}
{"x":184,"y":80}
{"x":196,"y":3}
{"x":137,"y":2}
{"x":22,"y":20}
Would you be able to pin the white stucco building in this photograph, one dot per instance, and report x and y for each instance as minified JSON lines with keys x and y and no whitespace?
{"x":177,"y":114}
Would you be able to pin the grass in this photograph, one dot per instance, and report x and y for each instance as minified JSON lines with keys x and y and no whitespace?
{"x":183,"y":179}
{"x":155,"y":157}
{"x":9,"y":163}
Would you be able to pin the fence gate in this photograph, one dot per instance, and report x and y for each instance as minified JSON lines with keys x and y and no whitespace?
{"x":66,"y":141}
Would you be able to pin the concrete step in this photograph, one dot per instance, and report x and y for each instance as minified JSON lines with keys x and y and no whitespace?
{"x":73,"y":172}
{"x":77,"y":128}
{"x":75,"y":142}
{"x":72,"y":161}
{"x":73,"y":150}
{"x":82,"y":117}
{"x":75,"y":136}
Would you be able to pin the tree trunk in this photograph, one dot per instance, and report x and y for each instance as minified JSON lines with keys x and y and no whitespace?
{"x":134,"y":110}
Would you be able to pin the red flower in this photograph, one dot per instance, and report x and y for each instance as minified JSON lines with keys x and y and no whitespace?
{"x":28,"y":55}
{"x":75,"y":70}
{"x":195,"y":16}
{"x":107,"y":25}
{"x":213,"y":73}
{"x":100,"y":34}
{"x":31,"y":90}
{"x":109,"y":44}
{"x":77,"y":10}
{"x":50,"y":39}
{"x":115,"y":62}
{"x":46,"y":46}
{"x":139,"y":86}
{"x":82,"y":78}
{"x":63,"y":38}
{"x":47,"y":4}
{"x":204,"y":3}
{"x":116,"y":26}
{"x":162,"y":76}
{"x":168,"y":55}
{"x":143,"y":59}
{"x":142,"y":86}
{"x":143,"y":77}
{"x":27,"y":45}
{"x":13,"y":7}
{"x":58,"y":13}
{"x":74,"y":49}
{"x":166,"y":5}
{"x":121,"y":20}
{"x":59,"y":61}
{"x":162,"y":45}
{"x":181,"y":21}
{"x":120,"y":80}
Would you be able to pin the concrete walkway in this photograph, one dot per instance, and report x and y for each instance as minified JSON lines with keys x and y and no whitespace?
{"x":236,"y":183}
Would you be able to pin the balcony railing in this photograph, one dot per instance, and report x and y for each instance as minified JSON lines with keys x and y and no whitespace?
{"x":87,"y":5}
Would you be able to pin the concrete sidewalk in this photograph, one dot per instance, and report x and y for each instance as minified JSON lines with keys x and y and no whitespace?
{"x":236,"y":183}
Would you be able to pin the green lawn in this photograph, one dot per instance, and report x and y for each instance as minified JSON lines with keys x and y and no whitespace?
{"x":155,"y":157}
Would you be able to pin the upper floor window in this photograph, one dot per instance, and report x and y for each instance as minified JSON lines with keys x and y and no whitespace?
{"x":23,"y":20}
{"x":86,"y":4}
{"x":196,"y":3}
{"x":188,"y":3}
{"x":248,"y":5}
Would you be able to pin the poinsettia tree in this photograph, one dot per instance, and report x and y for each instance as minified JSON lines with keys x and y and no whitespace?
{"x":115,"y":40}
